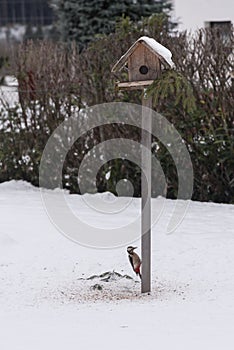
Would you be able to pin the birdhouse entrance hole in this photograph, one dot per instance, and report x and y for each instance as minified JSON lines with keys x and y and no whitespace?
{"x":143,"y":69}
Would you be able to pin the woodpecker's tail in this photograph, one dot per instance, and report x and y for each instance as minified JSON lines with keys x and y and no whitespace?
{"x":138,"y":272}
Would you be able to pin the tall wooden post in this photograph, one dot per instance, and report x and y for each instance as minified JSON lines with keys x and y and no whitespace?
{"x":146,"y":195}
{"x":144,"y":61}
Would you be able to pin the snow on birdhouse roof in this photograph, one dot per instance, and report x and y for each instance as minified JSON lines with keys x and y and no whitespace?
{"x":161,"y":51}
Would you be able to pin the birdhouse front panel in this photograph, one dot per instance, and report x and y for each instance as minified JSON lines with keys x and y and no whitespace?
{"x":143,"y":64}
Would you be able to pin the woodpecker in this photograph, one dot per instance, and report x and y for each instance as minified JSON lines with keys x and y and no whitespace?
{"x":134,"y":259}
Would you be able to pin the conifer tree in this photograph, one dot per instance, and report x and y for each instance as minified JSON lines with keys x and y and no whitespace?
{"x":82,"y":20}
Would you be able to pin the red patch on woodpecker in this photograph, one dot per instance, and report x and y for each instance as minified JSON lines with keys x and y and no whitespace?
{"x":137,"y":269}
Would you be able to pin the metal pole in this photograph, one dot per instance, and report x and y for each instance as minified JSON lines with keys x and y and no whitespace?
{"x":146,"y":194}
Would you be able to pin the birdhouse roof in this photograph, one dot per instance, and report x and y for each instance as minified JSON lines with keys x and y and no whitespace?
{"x":161,"y":51}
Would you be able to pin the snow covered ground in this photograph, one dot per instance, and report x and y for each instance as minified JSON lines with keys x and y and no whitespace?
{"x":9,"y":92}
{"x":47,"y":300}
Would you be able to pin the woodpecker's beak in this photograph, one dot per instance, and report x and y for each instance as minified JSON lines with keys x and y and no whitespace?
{"x":134,"y":248}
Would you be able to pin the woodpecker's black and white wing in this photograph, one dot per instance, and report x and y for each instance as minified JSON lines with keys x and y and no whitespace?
{"x":131,"y":261}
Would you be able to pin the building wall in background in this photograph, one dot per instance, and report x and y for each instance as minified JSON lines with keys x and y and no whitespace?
{"x":34,"y":12}
{"x":192,"y":14}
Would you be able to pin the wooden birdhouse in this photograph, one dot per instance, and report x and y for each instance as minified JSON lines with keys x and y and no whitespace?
{"x":144,"y":61}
